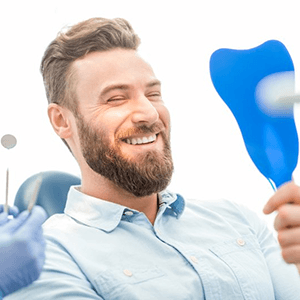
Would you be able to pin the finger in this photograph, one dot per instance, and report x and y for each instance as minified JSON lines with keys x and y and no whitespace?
{"x":3,"y":218}
{"x":40,"y":240}
{"x":13,"y":210}
{"x":287,"y":193}
{"x":38,"y":215}
{"x":36,"y":240}
{"x":35,"y":219}
{"x":288,"y":216}
{"x":289,"y":237}
{"x":15,"y":223}
{"x":291,"y":254}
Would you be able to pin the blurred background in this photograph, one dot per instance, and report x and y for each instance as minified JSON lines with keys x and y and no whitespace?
{"x":178,"y":38}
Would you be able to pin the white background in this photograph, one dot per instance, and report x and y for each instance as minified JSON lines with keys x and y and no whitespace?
{"x":178,"y":38}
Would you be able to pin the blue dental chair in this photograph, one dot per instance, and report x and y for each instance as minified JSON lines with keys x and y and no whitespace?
{"x":52,"y":195}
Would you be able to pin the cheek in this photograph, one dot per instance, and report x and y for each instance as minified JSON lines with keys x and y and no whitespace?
{"x":164,"y":115}
{"x":111,"y":123}
{"x":116,"y":116}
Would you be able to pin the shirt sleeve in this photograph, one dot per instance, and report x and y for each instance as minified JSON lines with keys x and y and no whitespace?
{"x":285,"y":277}
{"x":61,"y":279}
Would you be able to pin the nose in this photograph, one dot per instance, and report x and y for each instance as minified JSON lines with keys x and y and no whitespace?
{"x":144,"y":111}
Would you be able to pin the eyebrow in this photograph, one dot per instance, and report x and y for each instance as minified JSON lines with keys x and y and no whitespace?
{"x":113,"y":87}
{"x":153,"y":83}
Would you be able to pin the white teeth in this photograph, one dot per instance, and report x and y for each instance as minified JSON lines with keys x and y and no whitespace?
{"x":152,"y":138}
{"x":143,"y":140}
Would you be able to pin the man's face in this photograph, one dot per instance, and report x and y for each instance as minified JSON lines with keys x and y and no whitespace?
{"x":123,"y":125}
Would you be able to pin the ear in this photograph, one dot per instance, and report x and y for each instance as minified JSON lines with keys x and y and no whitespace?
{"x":61,"y":120}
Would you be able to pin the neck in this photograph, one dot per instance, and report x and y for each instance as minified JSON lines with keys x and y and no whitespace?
{"x":102,"y":188}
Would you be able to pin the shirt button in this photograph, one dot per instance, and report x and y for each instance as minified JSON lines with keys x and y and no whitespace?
{"x":128,"y":213}
{"x":158,"y":231}
{"x":194,"y":259}
{"x":127,"y":273}
{"x":241,"y":242}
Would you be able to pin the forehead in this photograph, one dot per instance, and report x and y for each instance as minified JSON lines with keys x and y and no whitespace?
{"x":122,"y":66}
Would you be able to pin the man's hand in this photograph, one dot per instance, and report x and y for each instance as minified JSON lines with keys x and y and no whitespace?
{"x":22,"y":249}
{"x":287,"y":222}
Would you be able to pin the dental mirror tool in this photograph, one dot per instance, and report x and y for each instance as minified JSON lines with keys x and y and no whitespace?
{"x":8,"y":141}
{"x":37,"y":186}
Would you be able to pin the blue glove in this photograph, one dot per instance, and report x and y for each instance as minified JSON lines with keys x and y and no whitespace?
{"x":14,"y":211}
{"x":22,"y":249}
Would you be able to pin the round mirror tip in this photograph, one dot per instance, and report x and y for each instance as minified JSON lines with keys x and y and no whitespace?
{"x":8,"y":141}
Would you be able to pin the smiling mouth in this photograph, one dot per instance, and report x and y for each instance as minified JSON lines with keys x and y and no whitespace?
{"x":140,"y":140}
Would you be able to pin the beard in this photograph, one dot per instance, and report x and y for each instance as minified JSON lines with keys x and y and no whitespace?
{"x":150,"y":173}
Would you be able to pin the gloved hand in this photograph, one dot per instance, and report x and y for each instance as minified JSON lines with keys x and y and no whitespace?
{"x":14,"y":211}
{"x":22,"y":249}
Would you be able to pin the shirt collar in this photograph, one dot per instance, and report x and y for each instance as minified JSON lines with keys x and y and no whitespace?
{"x":107,"y":215}
{"x":171,"y":203}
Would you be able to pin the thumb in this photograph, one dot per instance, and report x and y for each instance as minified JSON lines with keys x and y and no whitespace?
{"x":34,"y":220}
{"x":14,"y":224}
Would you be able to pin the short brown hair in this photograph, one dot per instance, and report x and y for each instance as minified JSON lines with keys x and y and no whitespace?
{"x":96,"y":34}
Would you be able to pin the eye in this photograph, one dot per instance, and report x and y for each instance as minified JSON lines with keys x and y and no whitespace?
{"x":155,"y":96}
{"x":115,"y":99}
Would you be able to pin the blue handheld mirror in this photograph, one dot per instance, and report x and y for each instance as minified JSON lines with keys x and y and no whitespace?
{"x":247,"y":80}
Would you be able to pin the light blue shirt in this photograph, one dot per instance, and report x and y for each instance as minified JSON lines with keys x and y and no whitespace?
{"x":195,"y":250}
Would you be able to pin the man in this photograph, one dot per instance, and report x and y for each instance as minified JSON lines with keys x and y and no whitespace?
{"x":22,"y":248}
{"x":122,"y":235}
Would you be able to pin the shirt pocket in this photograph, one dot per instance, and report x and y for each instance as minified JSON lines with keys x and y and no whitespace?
{"x":128,"y":283}
{"x":247,"y":266}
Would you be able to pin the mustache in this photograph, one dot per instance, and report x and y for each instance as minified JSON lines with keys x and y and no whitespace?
{"x":140,"y":129}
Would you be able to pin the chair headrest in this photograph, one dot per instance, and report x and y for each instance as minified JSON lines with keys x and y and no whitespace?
{"x":52,"y":195}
